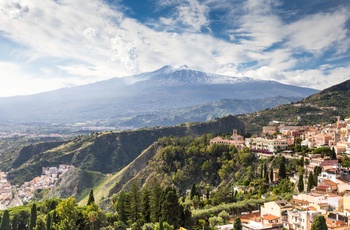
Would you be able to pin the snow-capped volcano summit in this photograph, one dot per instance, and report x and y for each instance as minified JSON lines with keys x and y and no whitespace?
{"x":183,"y":74}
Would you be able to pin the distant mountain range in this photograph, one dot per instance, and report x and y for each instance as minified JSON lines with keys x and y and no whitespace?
{"x":171,"y":95}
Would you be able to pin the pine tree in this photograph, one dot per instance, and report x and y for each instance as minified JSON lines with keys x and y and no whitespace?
{"x":301,"y":183}
{"x":146,"y":205}
{"x":310,"y":182}
{"x":319,"y":223}
{"x":5,"y":222}
{"x":238,"y":224}
{"x":121,"y":207}
{"x":91,"y":197}
{"x":33,"y":216}
{"x":155,"y":201}
{"x":134,"y":202}
{"x":282,"y":172}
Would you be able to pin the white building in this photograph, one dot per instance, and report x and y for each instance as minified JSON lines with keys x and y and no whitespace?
{"x":300,"y":220}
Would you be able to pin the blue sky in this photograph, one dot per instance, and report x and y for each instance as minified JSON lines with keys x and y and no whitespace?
{"x":50,"y":44}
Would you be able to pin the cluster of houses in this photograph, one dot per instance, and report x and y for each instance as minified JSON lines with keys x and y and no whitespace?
{"x":11,"y":196}
{"x":48,"y":178}
{"x":278,"y":137}
{"x":6,"y":192}
{"x":331,"y":196}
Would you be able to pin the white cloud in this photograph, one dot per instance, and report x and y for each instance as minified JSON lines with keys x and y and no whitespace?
{"x":319,"y":32}
{"x":87,"y":41}
{"x":319,"y":78}
{"x":325,"y":76}
{"x":266,"y":73}
{"x":189,"y":13}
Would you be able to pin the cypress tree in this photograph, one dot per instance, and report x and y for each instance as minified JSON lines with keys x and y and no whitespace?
{"x":48,"y":221}
{"x":333,"y":154}
{"x":238,"y":224}
{"x":161,"y":227}
{"x":186,"y":215}
{"x":282,"y":172}
{"x":271,"y":175}
{"x":301,"y":183}
{"x":32,"y":219}
{"x":5,"y":222}
{"x":317,"y":172}
{"x":14,"y":224}
{"x":193,"y":191}
{"x":310,"y":182}
{"x":301,"y":161}
{"x":266,"y":174}
{"x":170,"y":207}
{"x":91,"y":197}
{"x":53,"y":217}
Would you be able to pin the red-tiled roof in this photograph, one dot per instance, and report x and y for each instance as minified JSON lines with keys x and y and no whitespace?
{"x":322,"y":187}
{"x":329,"y":163}
{"x":269,"y":217}
{"x":311,"y":208}
{"x":329,"y":182}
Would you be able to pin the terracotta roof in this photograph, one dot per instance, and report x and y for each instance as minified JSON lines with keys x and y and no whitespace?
{"x":252,"y":215}
{"x":323,"y":204}
{"x":269,"y":217}
{"x":302,"y":202}
{"x":329,"y":163}
{"x":331,"y":183}
{"x":322,"y":187}
{"x":311,"y":208}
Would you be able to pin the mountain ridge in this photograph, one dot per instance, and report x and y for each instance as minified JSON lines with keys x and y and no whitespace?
{"x":320,"y":108}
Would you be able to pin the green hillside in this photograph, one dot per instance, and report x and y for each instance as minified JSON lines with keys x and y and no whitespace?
{"x":320,"y":108}
{"x":105,"y":152}
{"x":184,"y":162}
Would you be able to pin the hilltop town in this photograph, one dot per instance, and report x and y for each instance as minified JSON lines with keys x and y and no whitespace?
{"x":330,"y":196}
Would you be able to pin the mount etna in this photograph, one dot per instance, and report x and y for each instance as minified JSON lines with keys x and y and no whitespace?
{"x":167,"y":96}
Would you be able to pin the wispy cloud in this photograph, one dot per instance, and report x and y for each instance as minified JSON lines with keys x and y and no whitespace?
{"x":185,"y":16}
{"x":319,"y":32}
